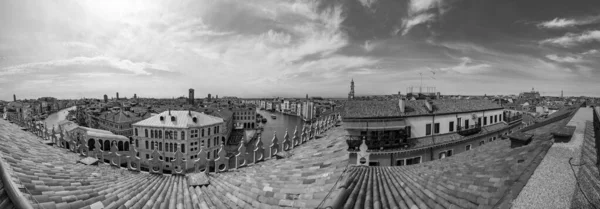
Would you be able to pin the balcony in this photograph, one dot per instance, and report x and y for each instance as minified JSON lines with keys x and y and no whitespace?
{"x":381,"y":143}
{"x":468,"y":130}
{"x":513,"y":119}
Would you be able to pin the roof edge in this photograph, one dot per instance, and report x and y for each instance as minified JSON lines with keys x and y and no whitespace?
{"x":432,"y":114}
{"x":14,"y":194}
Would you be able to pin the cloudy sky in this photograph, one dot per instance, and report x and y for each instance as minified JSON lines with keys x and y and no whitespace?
{"x":263,"y":48}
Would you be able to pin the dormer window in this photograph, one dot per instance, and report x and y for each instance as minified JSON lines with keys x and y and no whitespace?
{"x":173,"y":118}
{"x":162,"y":118}
{"x":195,"y":119}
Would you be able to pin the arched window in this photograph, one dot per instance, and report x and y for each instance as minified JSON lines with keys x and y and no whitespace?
{"x":182,"y":135}
{"x":106,"y":145}
{"x":183,"y":148}
{"x":137,"y":143}
{"x":174,"y":133}
{"x":120,"y":145}
{"x":146,"y":144}
{"x":160,"y":134}
{"x":152,"y":146}
{"x":151,"y":134}
{"x":202,"y":132}
{"x":136,"y":132}
{"x":170,"y":147}
{"x":160,"y":145}
{"x":91,"y":144}
{"x":126,"y":146}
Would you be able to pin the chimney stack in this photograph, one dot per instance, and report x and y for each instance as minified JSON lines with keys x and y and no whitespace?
{"x":401,"y":103}
{"x":14,"y":97}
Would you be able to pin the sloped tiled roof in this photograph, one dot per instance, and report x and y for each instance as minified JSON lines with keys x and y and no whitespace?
{"x":390,"y":108}
{"x":54,"y":179}
{"x":122,"y":116}
{"x":183,"y":119}
{"x":490,"y":176}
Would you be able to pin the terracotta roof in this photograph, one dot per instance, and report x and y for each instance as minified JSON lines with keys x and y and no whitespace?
{"x":182,"y":119}
{"x":5,"y":201}
{"x":121,"y":116}
{"x":588,"y":175}
{"x":54,"y":179}
{"x":390,"y":108}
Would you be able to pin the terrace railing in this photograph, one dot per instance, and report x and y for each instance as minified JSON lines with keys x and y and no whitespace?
{"x":381,"y":143}
{"x":513,"y":119}
{"x":468,"y":130}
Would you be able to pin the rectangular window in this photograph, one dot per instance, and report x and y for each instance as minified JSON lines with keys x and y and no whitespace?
{"x":412,"y":161}
{"x":428,"y":129}
{"x":449,"y":153}
{"x":451,"y":126}
{"x":436,"y":128}
{"x":495,"y":118}
{"x":400,"y":162}
{"x":202,"y":132}
{"x":479,"y":121}
{"x":484,"y":121}
{"x":146,"y":144}
{"x":152,"y":134}
{"x":481,"y":143}
{"x":183,"y":148}
{"x":467,"y":123}
{"x":468,"y":147}
{"x":373,"y":163}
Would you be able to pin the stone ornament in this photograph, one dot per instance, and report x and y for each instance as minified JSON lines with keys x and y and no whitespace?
{"x":241,"y":155}
{"x":156,"y":164}
{"x":362,"y":157}
{"x":274,"y":148}
{"x":115,"y":157}
{"x":179,"y":165}
{"x":201,"y":164}
{"x":287,"y":145}
{"x":133,"y":161}
{"x":295,"y":139}
{"x":222,"y":161}
{"x":259,"y":151}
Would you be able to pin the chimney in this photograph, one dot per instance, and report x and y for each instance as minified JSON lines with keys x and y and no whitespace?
{"x":401,"y":103}
{"x":428,"y":105}
{"x":14,"y":97}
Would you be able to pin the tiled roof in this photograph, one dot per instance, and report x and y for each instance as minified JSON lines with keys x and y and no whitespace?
{"x":121,"y":116}
{"x":183,"y":119}
{"x":54,"y":179}
{"x":390,"y":108}
{"x":588,"y":175}
{"x":490,"y":176}
{"x":5,"y":201}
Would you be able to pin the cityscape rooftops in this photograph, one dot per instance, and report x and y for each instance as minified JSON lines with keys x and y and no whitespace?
{"x":390,"y":108}
{"x":179,"y":119}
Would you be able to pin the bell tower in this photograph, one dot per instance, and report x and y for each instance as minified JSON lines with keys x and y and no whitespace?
{"x":351,"y":94}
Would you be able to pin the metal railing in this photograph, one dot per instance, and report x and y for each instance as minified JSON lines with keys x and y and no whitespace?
{"x":354,"y":143}
{"x":468,"y":130}
{"x":513,"y":119}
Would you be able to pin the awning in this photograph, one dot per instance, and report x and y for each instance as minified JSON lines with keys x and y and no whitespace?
{"x":375,"y":125}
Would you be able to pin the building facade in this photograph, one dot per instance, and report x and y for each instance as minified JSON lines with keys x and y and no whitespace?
{"x":405,"y":132}
{"x":244,"y":117}
{"x":187,"y":131}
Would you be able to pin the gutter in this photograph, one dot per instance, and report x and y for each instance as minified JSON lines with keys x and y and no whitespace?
{"x":17,"y":198}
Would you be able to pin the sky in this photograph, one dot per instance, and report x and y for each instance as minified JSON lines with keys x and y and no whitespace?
{"x":266,"y":48}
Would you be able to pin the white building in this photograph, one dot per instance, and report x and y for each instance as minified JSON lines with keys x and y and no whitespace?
{"x":187,"y":131}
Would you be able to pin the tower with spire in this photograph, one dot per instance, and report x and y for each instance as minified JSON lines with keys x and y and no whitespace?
{"x":351,"y":94}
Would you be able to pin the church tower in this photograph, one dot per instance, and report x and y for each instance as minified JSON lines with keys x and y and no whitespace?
{"x":351,"y":94}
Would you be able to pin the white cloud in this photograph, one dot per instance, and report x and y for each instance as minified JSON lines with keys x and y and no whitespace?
{"x":126,"y":65}
{"x":590,"y":52}
{"x":419,"y":12}
{"x":557,"y":23}
{"x":571,"y":39}
{"x":568,"y":59}
{"x":465,"y":67}
{"x":416,"y":20}
{"x":367,"y":3}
